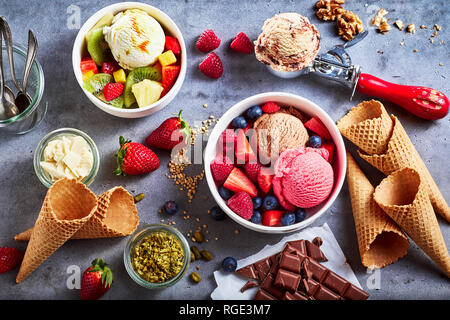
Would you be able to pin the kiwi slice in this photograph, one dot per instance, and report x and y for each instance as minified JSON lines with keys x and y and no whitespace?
{"x":135,"y":76}
{"x":97,"y":82}
{"x":97,"y":46}
{"x":117,"y":102}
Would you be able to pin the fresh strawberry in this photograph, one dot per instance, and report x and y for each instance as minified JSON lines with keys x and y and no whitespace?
{"x":241,"y":43}
{"x":265,"y":176}
{"x":272,"y":217}
{"x":211,"y":66}
{"x":270,"y":107}
{"x":173,"y":45}
{"x":244,"y":152}
{"x":208,"y":41}
{"x":96,"y":280}
{"x":9,"y":258}
{"x":169,"y":76}
{"x":252,"y":170}
{"x":227,"y":143}
{"x":110,"y":67}
{"x":221,"y":168}
{"x":113,"y":90}
{"x":134,"y":158}
{"x":241,"y":204}
{"x":238,"y":181}
{"x":170,"y":133}
{"x":329,"y":146}
{"x":87,"y":64}
{"x":315,"y":125}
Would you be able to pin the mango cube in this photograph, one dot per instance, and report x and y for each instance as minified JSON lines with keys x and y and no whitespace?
{"x":120,"y":76}
{"x":167,"y":58}
{"x":87,"y":75}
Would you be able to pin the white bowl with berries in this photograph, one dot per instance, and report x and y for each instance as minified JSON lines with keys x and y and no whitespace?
{"x":129,"y":59}
{"x":275,"y":162}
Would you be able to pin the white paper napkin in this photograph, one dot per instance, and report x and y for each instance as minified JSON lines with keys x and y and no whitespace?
{"x":230,"y":284}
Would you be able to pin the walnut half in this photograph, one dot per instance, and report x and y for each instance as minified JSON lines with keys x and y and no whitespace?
{"x":329,"y":10}
{"x":349,"y":25}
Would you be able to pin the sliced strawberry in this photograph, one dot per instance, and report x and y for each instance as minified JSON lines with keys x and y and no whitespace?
{"x":329,"y":146}
{"x":110,"y":67}
{"x":221,"y":168}
{"x":244,"y":153}
{"x":87,"y":64}
{"x":169,"y":77}
{"x":208,"y":41}
{"x":252,"y":170}
{"x":241,"y":204}
{"x":241,"y":43}
{"x":265,"y":176}
{"x":238,"y":181}
{"x":272,"y":217}
{"x":211,"y":66}
{"x":112,"y":91}
{"x":270,"y":107}
{"x":226,"y":143}
{"x":172,"y":44}
{"x":315,"y":125}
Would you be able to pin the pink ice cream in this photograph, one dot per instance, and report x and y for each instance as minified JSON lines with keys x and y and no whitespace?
{"x":303,"y":178}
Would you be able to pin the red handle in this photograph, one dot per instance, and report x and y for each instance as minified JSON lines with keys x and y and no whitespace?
{"x":424,"y":102}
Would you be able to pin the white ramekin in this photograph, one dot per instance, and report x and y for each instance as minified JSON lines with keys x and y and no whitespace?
{"x":305,"y":106}
{"x":166,"y":22}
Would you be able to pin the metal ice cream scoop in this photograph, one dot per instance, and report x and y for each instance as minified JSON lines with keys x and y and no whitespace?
{"x":337,"y":65}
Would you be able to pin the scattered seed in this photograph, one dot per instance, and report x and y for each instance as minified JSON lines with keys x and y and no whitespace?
{"x":196,"y":252}
{"x":198,"y":236}
{"x":206,"y":255}
{"x":196,"y":277}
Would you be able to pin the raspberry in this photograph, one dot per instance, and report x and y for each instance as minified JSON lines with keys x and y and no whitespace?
{"x":241,"y":43}
{"x":211,"y":66}
{"x":208,"y":41}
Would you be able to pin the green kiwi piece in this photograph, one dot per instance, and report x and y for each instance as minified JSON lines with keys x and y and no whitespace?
{"x":97,"y":46}
{"x":135,"y":76}
{"x":117,"y":102}
{"x":97,"y":82}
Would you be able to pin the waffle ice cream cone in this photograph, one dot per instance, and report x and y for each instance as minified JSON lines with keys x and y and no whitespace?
{"x":403,"y":197}
{"x":67,"y":206}
{"x":380,"y":240}
{"x":401,"y":153}
{"x":116,"y":216}
{"x":368,"y":126}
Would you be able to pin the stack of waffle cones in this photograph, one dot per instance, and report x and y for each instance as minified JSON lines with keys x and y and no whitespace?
{"x":383,"y":142}
{"x":72,"y":211}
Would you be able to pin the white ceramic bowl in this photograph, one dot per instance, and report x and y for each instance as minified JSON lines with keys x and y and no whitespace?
{"x":305,"y":106}
{"x":79,"y":49}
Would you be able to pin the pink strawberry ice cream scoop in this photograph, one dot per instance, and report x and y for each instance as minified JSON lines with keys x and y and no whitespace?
{"x":303,"y":178}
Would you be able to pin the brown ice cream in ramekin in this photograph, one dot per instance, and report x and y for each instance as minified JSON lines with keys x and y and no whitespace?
{"x":277,"y":132}
{"x":288,"y":42}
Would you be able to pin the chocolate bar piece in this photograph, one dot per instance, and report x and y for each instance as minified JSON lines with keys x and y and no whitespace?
{"x":294,"y":296}
{"x":291,"y":262}
{"x":259,"y":269}
{"x":263,"y":295}
{"x":249,"y":284}
{"x":315,"y":252}
{"x":269,"y":285}
{"x":287,"y":280}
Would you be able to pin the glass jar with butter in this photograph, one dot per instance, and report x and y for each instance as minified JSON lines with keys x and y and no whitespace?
{"x":68,"y":153}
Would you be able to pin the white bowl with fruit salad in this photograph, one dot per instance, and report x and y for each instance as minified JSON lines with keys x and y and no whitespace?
{"x":130,"y":59}
{"x":275,"y":162}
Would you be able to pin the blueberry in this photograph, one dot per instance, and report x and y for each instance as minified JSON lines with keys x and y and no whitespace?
{"x":314,"y":142}
{"x":229,"y":264}
{"x":256,"y":217}
{"x":171,"y":207}
{"x":225,"y":193}
{"x":239,"y":122}
{"x":257,"y":202}
{"x":300,"y":214}
{"x":288,"y":218}
{"x":217,"y":213}
{"x":270,"y":202}
{"x":254,"y":112}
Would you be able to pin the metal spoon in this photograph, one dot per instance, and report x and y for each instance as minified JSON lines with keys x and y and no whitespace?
{"x":9,"y":48}
{"x":23,"y":99}
{"x":6,"y":95}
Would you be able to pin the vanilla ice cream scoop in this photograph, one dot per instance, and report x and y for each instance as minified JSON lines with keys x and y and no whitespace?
{"x":288,"y":42}
{"x":135,"y":38}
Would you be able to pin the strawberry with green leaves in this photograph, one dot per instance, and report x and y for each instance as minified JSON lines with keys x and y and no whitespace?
{"x":170,"y":133}
{"x":135,"y":159}
{"x":96,"y":280}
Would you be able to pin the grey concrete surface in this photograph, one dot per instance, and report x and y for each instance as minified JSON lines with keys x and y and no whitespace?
{"x":21,"y":193}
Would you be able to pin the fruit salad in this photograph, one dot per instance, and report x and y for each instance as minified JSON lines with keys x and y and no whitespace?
{"x":273,"y":163}
{"x":130,"y":60}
